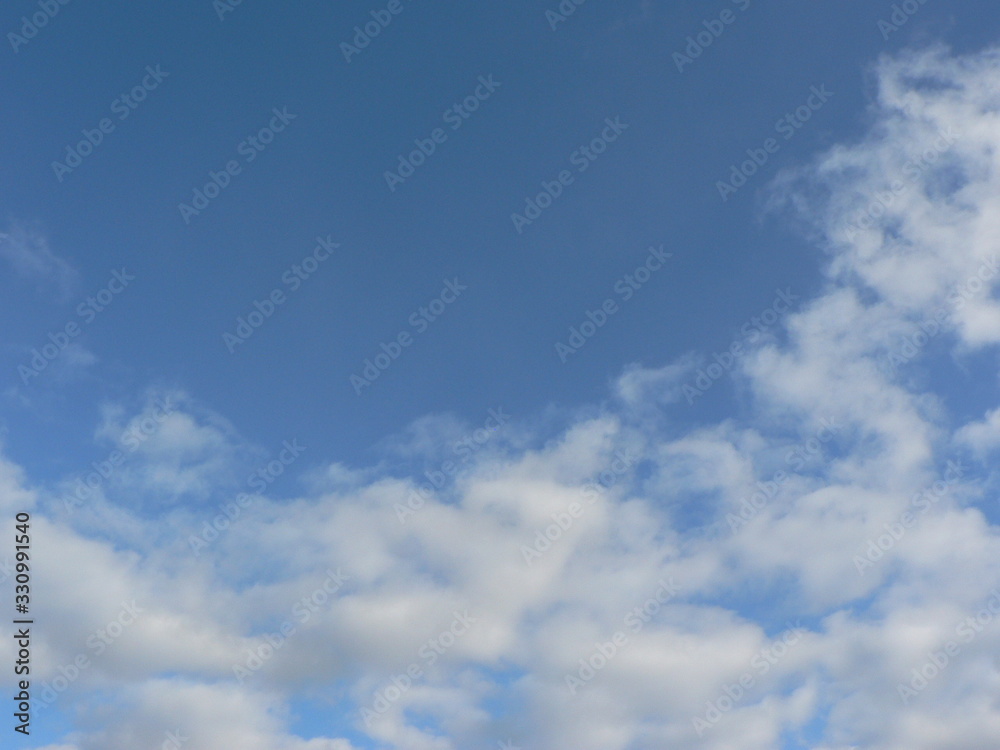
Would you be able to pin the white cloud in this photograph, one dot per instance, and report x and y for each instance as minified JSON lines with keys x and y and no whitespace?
{"x":28,"y":253}
{"x":983,"y":436}
{"x":661,"y":519}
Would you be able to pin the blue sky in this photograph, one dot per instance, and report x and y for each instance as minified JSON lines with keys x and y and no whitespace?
{"x":324,"y":176}
{"x":351,"y":266}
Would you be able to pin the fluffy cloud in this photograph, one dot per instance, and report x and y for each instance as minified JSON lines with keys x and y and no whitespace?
{"x":613,"y":585}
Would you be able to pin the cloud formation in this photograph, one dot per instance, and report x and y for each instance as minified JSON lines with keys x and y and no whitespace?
{"x":447,"y":635}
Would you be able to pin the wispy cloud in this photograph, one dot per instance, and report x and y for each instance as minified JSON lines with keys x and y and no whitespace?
{"x":28,"y":253}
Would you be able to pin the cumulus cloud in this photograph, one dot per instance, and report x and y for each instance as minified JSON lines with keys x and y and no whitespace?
{"x":981,"y":436}
{"x":614,"y":585}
